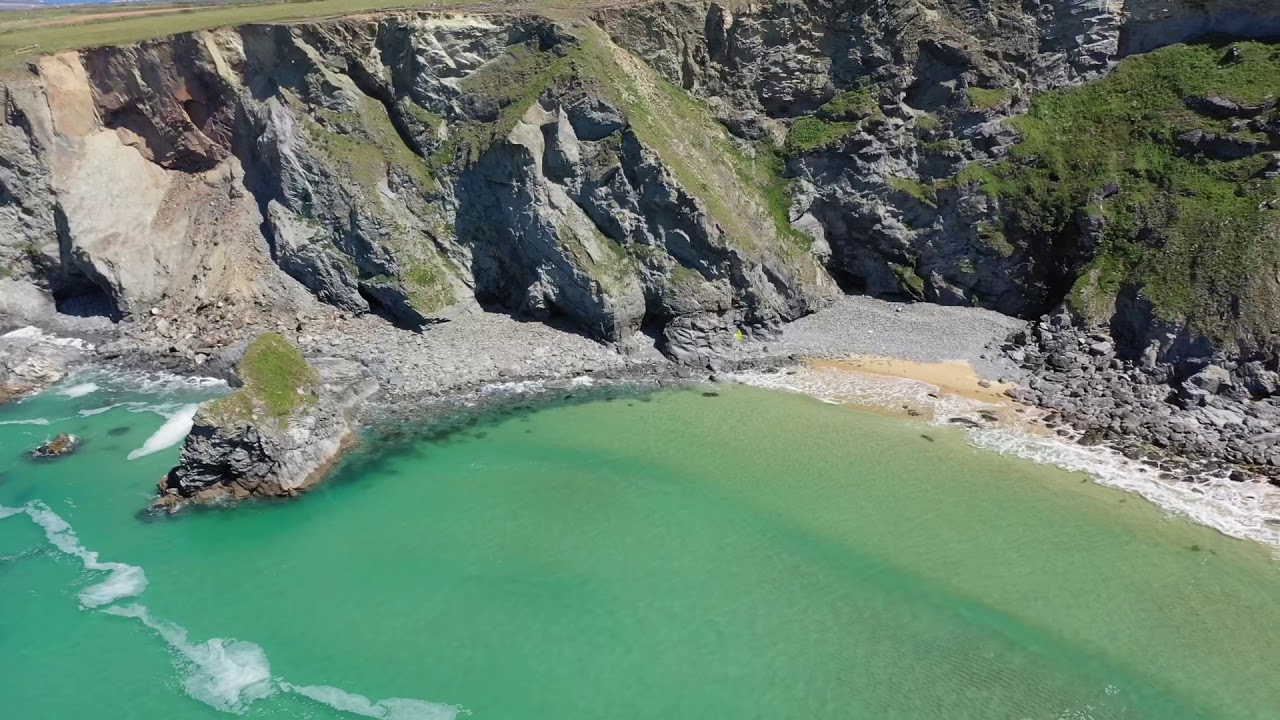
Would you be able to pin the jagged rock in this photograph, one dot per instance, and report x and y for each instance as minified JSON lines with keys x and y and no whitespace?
{"x":60,"y":446}
{"x":277,"y":435}
{"x":1213,"y":379}
{"x":31,"y":361}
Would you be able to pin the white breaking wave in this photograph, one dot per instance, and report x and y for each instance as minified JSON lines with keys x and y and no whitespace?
{"x":1245,"y":510}
{"x":98,"y":411}
{"x":35,"y":333}
{"x":79,"y":390}
{"x":224,"y":673}
{"x":124,"y":580}
{"x":170,"y":433}
{"x":1237,"y":509}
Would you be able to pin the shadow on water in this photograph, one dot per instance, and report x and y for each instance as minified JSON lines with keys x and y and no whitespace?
{"x":387,"y":441}
{"x":396,"y":438}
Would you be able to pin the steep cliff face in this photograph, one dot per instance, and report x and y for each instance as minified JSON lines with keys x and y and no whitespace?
{"x":412,"y":165}
{"x":694,"y":170}
{"x":902,"y":128}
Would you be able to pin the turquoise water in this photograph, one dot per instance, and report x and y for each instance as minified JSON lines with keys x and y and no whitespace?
{"x":747,"y":554}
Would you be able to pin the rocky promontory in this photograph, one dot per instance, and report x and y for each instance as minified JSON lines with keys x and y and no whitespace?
{"x":276,"y":435}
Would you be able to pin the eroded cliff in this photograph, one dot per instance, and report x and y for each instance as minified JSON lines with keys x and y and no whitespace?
{"x":411,"y":165}
{"x":700,"y":171}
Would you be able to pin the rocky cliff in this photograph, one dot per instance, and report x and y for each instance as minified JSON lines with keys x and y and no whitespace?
{"x":693,"y":172}
{"x":412,"y":165}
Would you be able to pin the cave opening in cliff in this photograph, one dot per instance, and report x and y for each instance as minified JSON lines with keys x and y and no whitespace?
{"x":83,"y":298}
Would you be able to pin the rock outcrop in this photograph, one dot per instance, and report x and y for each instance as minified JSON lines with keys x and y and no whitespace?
{"x":415,"y":166}
{"x":948,"y":153}
{"x":31,"y":361}
{"x":275,"y":436}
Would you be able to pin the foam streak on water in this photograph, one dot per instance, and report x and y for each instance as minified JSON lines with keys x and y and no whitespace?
{"x":1240,"y":510}
{"x":124,"y":580}
{"x":169,"y":434}
{"x":389,"y":709}
{"x":224,"y":673}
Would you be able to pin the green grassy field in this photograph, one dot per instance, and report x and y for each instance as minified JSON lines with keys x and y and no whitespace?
{"x":24,"y":34}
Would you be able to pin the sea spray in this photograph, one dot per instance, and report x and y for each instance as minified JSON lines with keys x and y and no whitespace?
{"x":79,"y":390}
{"x":171,"y":433}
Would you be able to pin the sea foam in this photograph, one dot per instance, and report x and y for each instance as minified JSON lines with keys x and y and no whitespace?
{"x":124,"y":580}
{"x":389,"y":709}
{"x":170,"y":433}
{"x":35,"y":333}
{"x":79,"y":390}
{"x":32,"y":421}
{"x":224,"y":673}
{"x":1242,"y":510}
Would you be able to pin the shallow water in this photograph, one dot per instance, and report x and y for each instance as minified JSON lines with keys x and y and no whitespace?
{"x":748,"y":554}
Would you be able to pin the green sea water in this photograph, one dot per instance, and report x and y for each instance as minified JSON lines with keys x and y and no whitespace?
{"x":748,"y":554}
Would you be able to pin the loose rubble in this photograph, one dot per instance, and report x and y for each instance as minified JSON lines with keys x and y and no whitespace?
{"x":1209,"y":412}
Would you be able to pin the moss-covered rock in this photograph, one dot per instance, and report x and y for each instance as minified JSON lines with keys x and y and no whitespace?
{"x":276,"y":435}
{"x":276,"y":381}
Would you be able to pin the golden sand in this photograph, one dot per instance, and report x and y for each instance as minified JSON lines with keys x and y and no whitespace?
{"x":954,"y":377}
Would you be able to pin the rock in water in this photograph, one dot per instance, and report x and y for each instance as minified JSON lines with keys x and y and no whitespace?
{"x":276,"y":435}
{"x":32,"y":361}
{"x":64,"y":444}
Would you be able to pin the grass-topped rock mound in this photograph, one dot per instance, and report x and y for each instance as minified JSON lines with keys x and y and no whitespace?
{"x":276,"y":381}
{"x":275,"y":435}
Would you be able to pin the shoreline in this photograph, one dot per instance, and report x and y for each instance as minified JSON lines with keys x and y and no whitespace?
{"x":917,"y":362}
{"x":1200,"y":492}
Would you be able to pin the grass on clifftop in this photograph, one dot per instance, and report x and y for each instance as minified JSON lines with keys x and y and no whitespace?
{"x":277,"y":381}
{"x":25,"y":33}
{"x":1197,"y":235}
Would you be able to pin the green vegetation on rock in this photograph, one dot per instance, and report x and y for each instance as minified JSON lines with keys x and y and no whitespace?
{"x":1199,"y":235}
{"x":741,"y":187}
{"x":850,"y":105}
{"x":609,"y":264}
{"x":504,"y":89}
{"x":368,"y":147}
{"x":277,"y":381}
{"x":911,"y":280}
{"x":813,"y":133}
{"x":986,"y":99}
{"x":916,"y":189}
{"x":427,"y":287}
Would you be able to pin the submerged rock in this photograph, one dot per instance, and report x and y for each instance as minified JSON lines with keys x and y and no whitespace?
{"x":275,"y":436}
{"x":64,"y":444}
